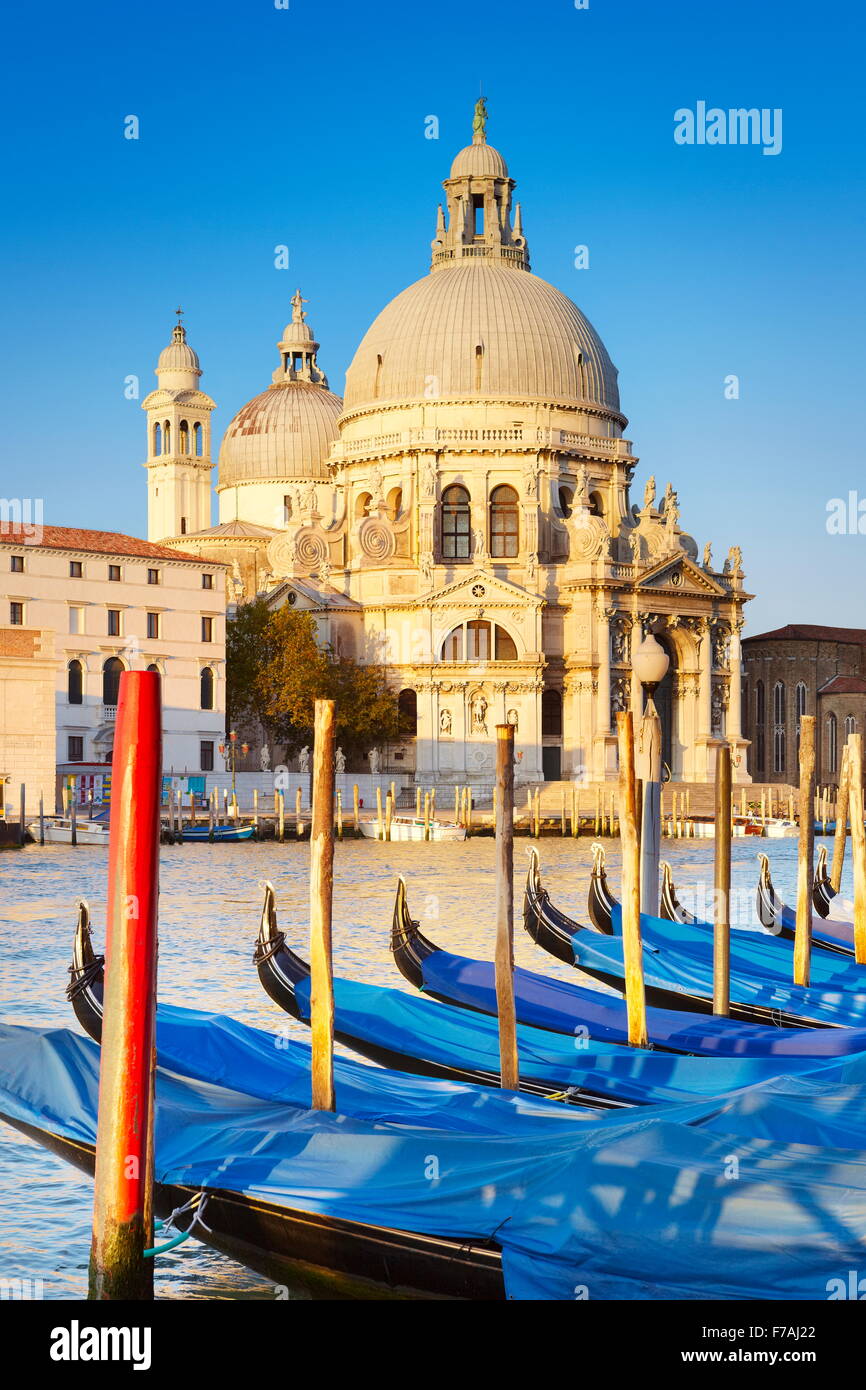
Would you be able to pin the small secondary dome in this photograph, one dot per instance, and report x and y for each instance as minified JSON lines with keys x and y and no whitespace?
{"x":478,"y":160}
{"x":178,"y":356}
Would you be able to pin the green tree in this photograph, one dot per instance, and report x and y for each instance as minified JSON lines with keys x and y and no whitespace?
{"x":246,"y":645}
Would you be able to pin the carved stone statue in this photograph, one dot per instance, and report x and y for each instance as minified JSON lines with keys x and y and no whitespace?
{"x":708,"y":556}
{"x":479,"y":714}
{"x":479,"y":120}
{"x":634,"y":546}
{"x":649,"y":492}
{"x":428,"y":479}
{"x":304,"y":760}
{"x":374,"y":760}
{"x":265,"y":757}
{"x":298,"y":302}
{"x":512,"y":718}
{"x":238,"y":582}
{"x":377,"y":483}
{"x":581,"y":487}
{"x":339,"y":762}
{"x":531,"y":566}
{"x":530,"y":482}
{"x":310,"y":498}
{"x":478,"y":537}
{"x":323,"y":573}
{"x":445,"y":722}
{"x":734,"y":562}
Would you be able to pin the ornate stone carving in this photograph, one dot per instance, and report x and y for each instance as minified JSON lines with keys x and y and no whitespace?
{"x":311,"y":549}
{"x":376,"y":538}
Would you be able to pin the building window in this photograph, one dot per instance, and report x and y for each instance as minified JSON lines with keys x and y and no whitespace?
{"x":114,"y":622}
{"x":17,"y":564}
{"x":16,"y":614}
{"x":76,"y":570}
{"x":153,"y":667}
{"x":760,"y":728}
{"x":197,"y":436}
{"x":207,"y":581}
{"x":114,"y":573}
{"x":183,"y":526}
{"x":287,"y":509}
{"x":832,"y":743}
{"x":551,"y":713}
{"x":157,"y":439}
{"x":503,"y":523}
{"x":479,"y":640}
{"x":153,"y":576}
{"x":166,"y":437}
{"x":800,"y":708}
{"x":566,"y":498}
{"x":394,"y":503}
{"x":183,"y":437}
{"x":779,"y":751}
{"x":74,"y":683}
{"x":850,"y":726}
{"x":207,"y":629}
{"x":456,"y":529}
{"x":407,"y":707}
{"x":76,"y":620}
{"x":75,"y":748}
{"x":153,"y":624}
{"x":111,"y":673}
{"x":206,"y":755}
{"x":207,"y":688}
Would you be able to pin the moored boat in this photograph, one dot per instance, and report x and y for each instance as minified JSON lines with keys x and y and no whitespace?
{"x":414,"y":828}
{"x":58,"y":831}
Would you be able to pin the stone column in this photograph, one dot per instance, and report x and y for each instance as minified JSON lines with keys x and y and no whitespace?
{"x":705,"y":695}
{"x":602,"y":638}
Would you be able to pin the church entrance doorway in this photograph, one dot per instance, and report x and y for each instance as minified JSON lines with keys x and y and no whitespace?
{"x":664,"y":702}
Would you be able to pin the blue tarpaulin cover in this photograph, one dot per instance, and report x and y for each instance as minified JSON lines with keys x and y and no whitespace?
{"x":625,"y":1205}
{"x":676,"y":962}
{"x":563,"y":1007}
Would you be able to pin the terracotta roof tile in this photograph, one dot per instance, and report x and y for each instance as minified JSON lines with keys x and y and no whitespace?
{"x":807,"y":632}
{"x":844,"y":685}
{"x":97,"y":542}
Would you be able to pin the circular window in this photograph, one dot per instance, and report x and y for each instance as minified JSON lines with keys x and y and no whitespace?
{"x":478,"y":591}
{"x":291,"y":598}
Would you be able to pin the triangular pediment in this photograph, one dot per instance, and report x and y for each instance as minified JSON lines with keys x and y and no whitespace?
{"x":662,"y":577}
{"x":482,"y":587}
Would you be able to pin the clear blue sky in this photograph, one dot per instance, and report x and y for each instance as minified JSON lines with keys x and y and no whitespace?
{"x":306,"y":127}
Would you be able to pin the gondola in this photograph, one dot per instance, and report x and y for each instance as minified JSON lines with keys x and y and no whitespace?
{"x":587,"y":1070}
{"x":574,"y":1009}
{"x":549,"y":928}
{"x":775,"y":915}
{"x":678,"y":975}
{"x":313,"y":1256}
{"x":826,"y":901}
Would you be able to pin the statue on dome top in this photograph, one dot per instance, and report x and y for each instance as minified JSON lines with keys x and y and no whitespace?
{"x":298,"y":301}
{"x":479,"y":121}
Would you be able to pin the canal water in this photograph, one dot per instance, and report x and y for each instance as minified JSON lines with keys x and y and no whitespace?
{"x":209,"y":909}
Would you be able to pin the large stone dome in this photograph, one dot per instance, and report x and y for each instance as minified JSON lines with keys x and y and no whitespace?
{"x":284,"y":433}
{"x":534,"y":343}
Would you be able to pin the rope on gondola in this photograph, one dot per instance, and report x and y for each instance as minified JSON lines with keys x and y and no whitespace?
{"x":196,"y":1204}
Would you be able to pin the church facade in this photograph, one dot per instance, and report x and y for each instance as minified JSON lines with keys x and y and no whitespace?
{"x":465,"y":513}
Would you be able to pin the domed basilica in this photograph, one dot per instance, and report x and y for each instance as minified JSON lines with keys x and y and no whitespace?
{"x":464,"y":513}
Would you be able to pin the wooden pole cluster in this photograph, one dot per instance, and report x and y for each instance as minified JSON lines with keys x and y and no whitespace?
{"x":858,"y":844}
{"x":508,"y":1059}
{"x":722,"y":885}
{"x":123,"y":1188}
{"x":321,"y":902}
{"x":806,"y":854}
{"x":631,"y":937}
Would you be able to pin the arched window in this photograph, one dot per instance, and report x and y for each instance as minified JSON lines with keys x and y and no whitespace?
{"x":760,"y":728}
{"x":503,"y":523}
{"x":407,"y":709}
{"x":111,"y":673}
{"x":394,"y":503}
{"x":153,"y":667}
{"x":362,"y":502}
{"x":183,"y":437}
{"x":166,"y":437}
{"x":157,"y":439}
{"x":478,"y":640}
{"x":74,"y":683}
{"x":779,"y":751}
{"x":581,"y":375}
{"x":551,"y":713}
{"x":207,"y":688}
{"x":832,"y":743}
{"x":800,"y":708}
{"x":596,"y":504}
{"x":479,"y":366}
{"x":198,"y":436}
{"x":850,"y":725}
{"x":566,"y":497}
{"x":378,"y":379}
{"x":456,"y":529}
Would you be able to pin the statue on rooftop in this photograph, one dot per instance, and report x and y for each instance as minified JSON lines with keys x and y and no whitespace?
{"x":479,"y":120}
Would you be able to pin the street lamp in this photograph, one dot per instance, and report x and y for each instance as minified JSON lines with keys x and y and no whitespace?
{"x":650,"y":663}
{"x":232,"y":751}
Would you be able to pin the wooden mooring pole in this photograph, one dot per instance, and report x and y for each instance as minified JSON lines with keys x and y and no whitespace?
{"x":858,"y":844}
{"x":508,"y":1061}
{"x":321,"y":899}
{"x":635,"y":997}
{"x":806,"y":853}
{"x":123,"y":1190}
{"x":722,"y":885}
{"x":841,"y":833}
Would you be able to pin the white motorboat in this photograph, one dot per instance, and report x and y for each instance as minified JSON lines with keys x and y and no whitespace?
{"x":58,"y":831}
{"x":412,"y":828}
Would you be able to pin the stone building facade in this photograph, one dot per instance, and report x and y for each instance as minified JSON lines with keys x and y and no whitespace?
{"x":795,"y":670}
{"x":27,"y":719}
{"x":465,"y":513}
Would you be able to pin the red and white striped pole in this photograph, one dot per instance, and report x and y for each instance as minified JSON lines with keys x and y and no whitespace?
{"x":123,"y":1196}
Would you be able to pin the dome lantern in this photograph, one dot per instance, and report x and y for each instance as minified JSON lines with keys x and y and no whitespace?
{"x":298,"y":350}
{"x":478,"y":193}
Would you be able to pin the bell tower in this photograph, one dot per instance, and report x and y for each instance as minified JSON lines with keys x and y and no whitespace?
{"x":178,"y":444}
